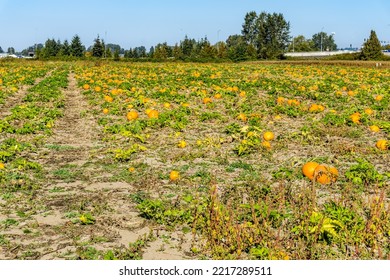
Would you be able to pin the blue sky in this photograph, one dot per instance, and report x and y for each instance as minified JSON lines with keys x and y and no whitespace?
{"x":135,"y":23}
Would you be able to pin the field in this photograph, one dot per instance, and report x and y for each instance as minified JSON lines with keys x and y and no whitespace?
{"x":104,"y":160}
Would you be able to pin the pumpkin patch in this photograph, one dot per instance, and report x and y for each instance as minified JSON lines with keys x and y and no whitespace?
{"x":242,"y":161}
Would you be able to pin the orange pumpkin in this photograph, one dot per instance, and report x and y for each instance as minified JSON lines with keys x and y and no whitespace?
{"x":108,"y":98}
{"x":313,"y":108}
{"x":309,"y":168}
{"x":355,"y":117}
{"x":153,"y":114}
{"x":268,"y":136}
{"x":242,"y":117}
{"x":207,"y":100}
{"x":325,"y":174}
{"x":266,"y":144}
{"x":379,"y":97}
{"x":132,"y":115}
{"x":280,"y":100}
{"x":382,"y":144}
{"x":182,"y":144}
{"x":374,"y":128}
{"x":174,"y":175}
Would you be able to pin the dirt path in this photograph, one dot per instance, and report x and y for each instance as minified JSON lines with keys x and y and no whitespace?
{"x":75,"y":133}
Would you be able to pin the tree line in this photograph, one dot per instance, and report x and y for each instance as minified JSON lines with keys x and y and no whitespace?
{"x":263,"y":36}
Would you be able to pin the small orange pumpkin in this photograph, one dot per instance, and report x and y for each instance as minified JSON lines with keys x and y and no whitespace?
{"x":242,"y":117}
{"x":374,"y":128}
{"x":132,"y":115}
{"x":325,"y":174}
{"x":207,"y":100}
{"x":153,"y":114}
{"x":108,"y":98}
{"x":382,"y":144}
{"x":174,"y":175}
{"x":268,"y":136}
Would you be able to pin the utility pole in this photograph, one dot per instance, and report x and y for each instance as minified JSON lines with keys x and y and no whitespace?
{"x":293,"y":44}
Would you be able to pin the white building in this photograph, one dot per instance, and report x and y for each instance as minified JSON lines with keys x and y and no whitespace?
{"x":4,"y":55}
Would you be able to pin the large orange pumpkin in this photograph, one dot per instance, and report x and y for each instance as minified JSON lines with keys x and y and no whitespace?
{"x":309,"y":168}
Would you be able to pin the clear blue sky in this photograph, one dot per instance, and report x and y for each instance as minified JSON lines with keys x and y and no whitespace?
{"x":134,"y":23}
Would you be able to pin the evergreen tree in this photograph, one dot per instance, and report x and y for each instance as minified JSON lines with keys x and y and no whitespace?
{"x":116,"y":55}
{"x":1,"y":50}
{"x":130,"y":53}
{"x":221,"y":49}
{"x":50,"y":49}
{"x":134,"y":53}
{"x":177,"y":52}
{"x":65,"y":48}
{"x":206,"y":50}
{"x":76,"y":48}
{"x":139,"y":52}
{"x":151,"y":51}
{"x":108,"y":53}
{"x":372,"y":49}
{"x":162,"y":51}
{"x":98,"y":48}
{"x":187,"y":46}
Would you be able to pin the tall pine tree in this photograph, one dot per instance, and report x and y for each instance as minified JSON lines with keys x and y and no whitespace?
{"x":98,"y":48}
{"x":372,"y":49}
{"x":76,"y":48}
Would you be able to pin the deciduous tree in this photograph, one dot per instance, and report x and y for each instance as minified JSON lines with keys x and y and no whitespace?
{"x":268,"y":33}
{"x":301,"y":44}
{"x":324,"y":42}
{"x":11,"y":50}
